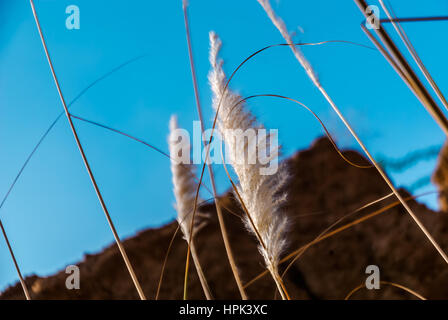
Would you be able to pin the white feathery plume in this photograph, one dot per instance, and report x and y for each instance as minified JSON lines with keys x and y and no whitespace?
{"x":262,"y":195}
{"x":184,"y":192}
{"x":280,"y":25}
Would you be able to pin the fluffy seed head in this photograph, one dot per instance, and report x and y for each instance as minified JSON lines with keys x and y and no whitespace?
{"x":280,"y":25}
{"x":183,"y":181}
{"x":263,"y":195}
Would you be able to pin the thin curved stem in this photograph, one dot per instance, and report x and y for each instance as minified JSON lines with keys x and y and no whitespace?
{"x":393,"y":284}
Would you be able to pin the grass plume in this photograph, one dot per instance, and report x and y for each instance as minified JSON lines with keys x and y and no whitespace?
{"x":184,"y":192}
{"x":219,"y":214}
{"x":261,"y":195}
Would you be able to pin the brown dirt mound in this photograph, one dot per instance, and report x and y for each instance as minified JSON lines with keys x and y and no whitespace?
{"x":323,"y":188}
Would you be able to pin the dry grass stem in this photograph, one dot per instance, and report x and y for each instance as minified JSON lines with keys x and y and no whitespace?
{"x":393,"y":284}
{"x":404,"y":38}
{"x":221,"y":221}
{"x":86,"y":163}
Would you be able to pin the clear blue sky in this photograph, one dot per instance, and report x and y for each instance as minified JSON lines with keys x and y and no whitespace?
{"x":53,"y":217}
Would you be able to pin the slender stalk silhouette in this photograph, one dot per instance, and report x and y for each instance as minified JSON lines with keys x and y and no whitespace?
{"x":86,"y":163}
{"x":211,"y":174}
{"x":16,"y":265}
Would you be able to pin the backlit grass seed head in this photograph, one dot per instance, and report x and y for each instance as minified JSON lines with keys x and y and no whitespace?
{"x":263,"y":195}
{"x":183,"y":180}
{"x":280,"y":25}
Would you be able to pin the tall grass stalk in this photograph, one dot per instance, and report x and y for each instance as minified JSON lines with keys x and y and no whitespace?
{"x":184,"y":192}
{"x":221,"y":221}
{"x":416,"y":85}
{"x":86,"y":163}
{"x":311,"y":74}
{"x":404,"y":38}
{"x":16,"y":265}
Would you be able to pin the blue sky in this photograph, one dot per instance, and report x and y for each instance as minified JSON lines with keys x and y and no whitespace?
{"x":53,"y":217}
